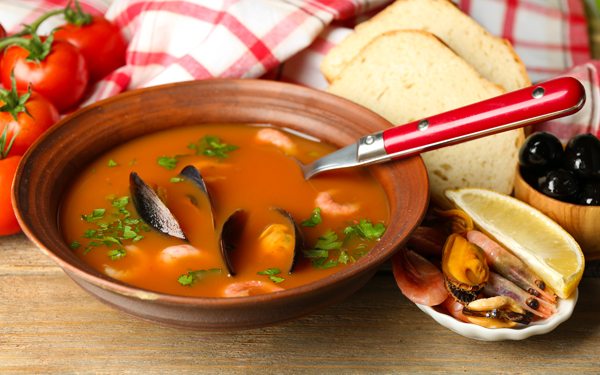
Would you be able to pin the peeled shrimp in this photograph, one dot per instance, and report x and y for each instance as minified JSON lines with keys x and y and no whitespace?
{"x":172,"y":253}
{"x":276,"y":138}
{"x":427,"y":240}
{"x":327,"y":205}
{"x":250,"y":288}
{"x":511,"y":267}
{"x":499,"y":286}
{"x":418,"y":279}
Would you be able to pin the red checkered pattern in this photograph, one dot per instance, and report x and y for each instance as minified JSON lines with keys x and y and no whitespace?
{"x":180,"y":40}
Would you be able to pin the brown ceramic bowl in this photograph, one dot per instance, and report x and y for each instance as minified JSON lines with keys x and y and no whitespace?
{"x":582,"y":222}
{"x":55,"y":159}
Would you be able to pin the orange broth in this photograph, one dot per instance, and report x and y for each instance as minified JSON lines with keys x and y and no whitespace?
{"x":255,"y":177}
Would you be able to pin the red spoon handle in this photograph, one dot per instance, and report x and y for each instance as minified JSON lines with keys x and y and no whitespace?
{"x":545,"y":101}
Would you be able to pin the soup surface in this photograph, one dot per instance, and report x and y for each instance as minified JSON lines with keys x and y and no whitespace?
{"x":341,"y":214}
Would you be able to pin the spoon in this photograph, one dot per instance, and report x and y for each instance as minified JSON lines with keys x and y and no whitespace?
{"x":541,"y":102}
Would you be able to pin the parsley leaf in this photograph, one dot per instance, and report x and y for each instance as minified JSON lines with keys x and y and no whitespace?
{"x":112,"y":163}
{"x":177,"y":179}
{"x":276,"y":279}
{"x":211,"y":146}
{"x":74,"y":245}
{"x":366,"y":230}
{"x":116,"y":254}
{"x":344,"y":257}
{"x":356,"y":256}
{"x":314,"y":219}
{"x":320,"y":264}
{"x":328,"y":242}
{"x":193,"y":277}
{"x":270,"y":271}
{"x":167,"y":162}
{"x":96,"y":215}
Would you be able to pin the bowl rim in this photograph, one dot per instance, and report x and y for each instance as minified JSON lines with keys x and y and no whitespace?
{"x":364,"y":265}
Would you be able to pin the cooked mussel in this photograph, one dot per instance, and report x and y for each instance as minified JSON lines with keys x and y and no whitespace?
{"x":152,"y":209}
{"x":464,"y":267}
{"x":281,"y":242}
{"x":192,"y":174}
{"x":279,"y":239}
{"x":496,"y":312}
{"x":230,"y":235}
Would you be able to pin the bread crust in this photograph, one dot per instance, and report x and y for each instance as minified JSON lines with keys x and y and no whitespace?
{"x":433,"y":16}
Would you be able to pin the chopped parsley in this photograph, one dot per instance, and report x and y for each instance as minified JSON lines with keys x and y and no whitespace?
{"x":328,"y":242}
{"x":96,"y":215}
{"x":177,"y":179}
{"x":193,"y":277}
{"x":112,"y":163}
{"x":211,"y":146}
{"x":167,"y":162}
{"x":366,"y":230}
{"x":112,"y":233}
{"x":314,"y":219}
{"x":132,"y":162}
{"x":271,"y":272}
{"x":116,"y":254}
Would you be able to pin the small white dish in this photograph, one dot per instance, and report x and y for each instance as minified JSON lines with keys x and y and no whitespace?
{"x":519,"y":332}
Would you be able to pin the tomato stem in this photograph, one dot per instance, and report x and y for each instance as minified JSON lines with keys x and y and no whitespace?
{"x":4,"y":154}
{"x":34,"y":25}
{"x":77,"y":17}
{"x":38,"y":50}
{"x":13,"y":103}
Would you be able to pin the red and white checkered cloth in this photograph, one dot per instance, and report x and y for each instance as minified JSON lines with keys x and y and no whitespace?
{"x":180,"y":40}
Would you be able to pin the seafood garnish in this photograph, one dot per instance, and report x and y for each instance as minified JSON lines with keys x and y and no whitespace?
{"x":230,"y":234}
{"x":191,"y":173}
{"x":276,"y":138}
{"x":426,"y":240}
{"x":297,"y":241}
{"x":152,"y":209}
{"x":464,"y":267}
{"x":499,"y":286}
{"x":325,"y":202}
{"x":511,"y":267}
{"x":455,"y":309}
{"x":496,"y":312}
{"x":418,"y":279}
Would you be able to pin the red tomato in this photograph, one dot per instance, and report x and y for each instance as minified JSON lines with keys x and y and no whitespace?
{"x":100,"y":42}
{"x":8,"y":220}
{"x":43,"y":115}
{"x":61,"y":77}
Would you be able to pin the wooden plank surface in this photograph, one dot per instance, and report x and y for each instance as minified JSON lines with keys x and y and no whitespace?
{"x":49,"y":325}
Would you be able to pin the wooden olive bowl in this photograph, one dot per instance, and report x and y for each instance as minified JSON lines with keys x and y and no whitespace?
{"x":582,"y":222}
{"x":56,"y":158}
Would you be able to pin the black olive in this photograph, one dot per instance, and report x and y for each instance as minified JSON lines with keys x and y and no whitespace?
{"x":582,"y":157}
{"x":560,"y":184}
{"x":541,"y":152}
{"x":590,"y":194}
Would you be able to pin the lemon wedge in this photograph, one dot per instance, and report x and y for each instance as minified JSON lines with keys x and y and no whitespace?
{"x":542,"y":244}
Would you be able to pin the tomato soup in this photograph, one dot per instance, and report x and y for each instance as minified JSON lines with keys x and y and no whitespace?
{"x":341,"y":214}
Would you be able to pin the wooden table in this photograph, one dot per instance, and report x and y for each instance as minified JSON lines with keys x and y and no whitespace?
{"x":49,"y":325}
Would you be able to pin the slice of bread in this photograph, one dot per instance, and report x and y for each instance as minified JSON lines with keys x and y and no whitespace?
{"x":408,"y":75}
{"x":494,"y":58}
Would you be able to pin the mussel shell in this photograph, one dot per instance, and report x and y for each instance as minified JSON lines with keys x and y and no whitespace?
{"x":298,"y":238}
{"x":152,"y":209}
{"x":192,"y":174}
{"x":461,"y":292}
{"x":230,"y":235}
